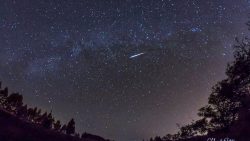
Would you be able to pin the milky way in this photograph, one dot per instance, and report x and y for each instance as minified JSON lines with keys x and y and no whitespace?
{"x":124,"y":69}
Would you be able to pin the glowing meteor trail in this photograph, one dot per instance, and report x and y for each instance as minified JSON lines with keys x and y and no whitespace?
{"x":136,"y":55}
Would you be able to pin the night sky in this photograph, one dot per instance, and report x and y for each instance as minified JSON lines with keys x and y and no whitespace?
{"x":124,"y":69}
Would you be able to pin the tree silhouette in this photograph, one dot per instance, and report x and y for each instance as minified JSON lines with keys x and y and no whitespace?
{"x":39,"y":112}
{"x":229,"y":100}
{"x":70,"y":127}
{"x":63,"y":129}
{"x":48,"y":121}
{"x":3,"y":96}
{"x":228,"y":95}
{"x":176,"y":136}
{"x":33,"y":114}
{"x":168,"y":137}
{"x":14,"y":101}
{"x":14,"y":104}
{"x":57,"y":125}
{"x":186,"y":131}
{"x":37,"y":115}
{"x":22,"y":111}
{"x":157,"y":138}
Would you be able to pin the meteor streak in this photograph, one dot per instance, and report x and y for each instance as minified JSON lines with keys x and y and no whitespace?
{"x":136,"y":55}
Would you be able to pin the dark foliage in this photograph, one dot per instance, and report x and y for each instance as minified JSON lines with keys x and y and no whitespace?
{"x":57,"y":125}
{"x":228,"y":105}
{"x":70,"y":127}
{"x":20,"y":123}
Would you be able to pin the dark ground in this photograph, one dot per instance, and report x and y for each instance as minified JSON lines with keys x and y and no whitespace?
{"x":14,"y":129}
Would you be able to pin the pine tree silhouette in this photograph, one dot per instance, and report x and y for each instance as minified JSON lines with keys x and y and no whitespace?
{"x":70,"y":127}
{"x":57,"y":125}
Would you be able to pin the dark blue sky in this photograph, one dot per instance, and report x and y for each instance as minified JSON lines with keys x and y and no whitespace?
{"x":125,"y":70}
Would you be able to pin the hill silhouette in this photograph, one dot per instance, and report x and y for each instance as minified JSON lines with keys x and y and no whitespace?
{"x":19,"y":123}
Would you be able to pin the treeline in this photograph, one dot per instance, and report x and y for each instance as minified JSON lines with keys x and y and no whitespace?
{"x":13,"y":104}
{"x":228,"y":103}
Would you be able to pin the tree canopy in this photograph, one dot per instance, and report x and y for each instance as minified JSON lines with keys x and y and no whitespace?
{"x":13,"y":104}
{"x":227,"y":100}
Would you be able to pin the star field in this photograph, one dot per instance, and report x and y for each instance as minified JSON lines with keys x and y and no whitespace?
{"x":124,"y":69}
